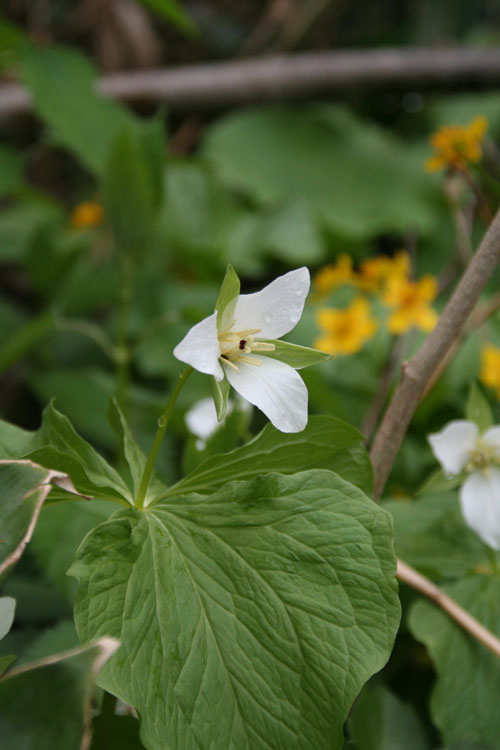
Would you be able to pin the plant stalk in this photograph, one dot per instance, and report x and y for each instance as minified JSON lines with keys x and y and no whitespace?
{"x":162,"y":428}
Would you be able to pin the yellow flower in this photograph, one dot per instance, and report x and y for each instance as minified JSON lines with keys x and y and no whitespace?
{"x":411,"y":300}
{"x":334,"y":275}
{"x":86,"y":215}
{"x":457,"y":145}
{"x":375,"y":273}
{"x":345,"y":331}
{"x":490,"y":368}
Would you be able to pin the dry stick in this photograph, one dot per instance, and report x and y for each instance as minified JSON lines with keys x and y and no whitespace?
{"x":418,"y":371}
{"x":427,"y":588}
{"x":416,"y":375}
{"x":288,"y":76}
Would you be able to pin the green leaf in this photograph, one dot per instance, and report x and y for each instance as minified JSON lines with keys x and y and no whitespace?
{"x":25,"y":338}
{"x":438,"y":482}
{"x":220,"y":392}
{"x":173,"y":11}
{"x":25,"y":485}
{"x":228,"y":294}
{"x":133,"y":453}
{"x":322,"y":155}
{"x":123,"y":729}
{"x":464,"y":702}
{"x":60,"y":685}
{"x":294,"y":355}
{"x":62,"y":83}
{"x":7,"y":609}
{"x":267,"y":604}
{"x":68,"y":523}
{"x":380,"y":721}
{"x":128,"y":192}
{"x":477,"y":409}
{"x":432,"y":536}
{"x":11,"y":170}
{"x":292,"y":235}
{"x":58,"y":446}
{"x":6,"y":661}
{"x":326,"y":443}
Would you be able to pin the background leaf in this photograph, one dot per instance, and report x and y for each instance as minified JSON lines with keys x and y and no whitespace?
{"x":464,"y":702}
{"x":60,"y":685}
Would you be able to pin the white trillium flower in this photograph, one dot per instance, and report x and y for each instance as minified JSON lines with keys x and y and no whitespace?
{"x":460,"y":447}
{"x":235,"y":345}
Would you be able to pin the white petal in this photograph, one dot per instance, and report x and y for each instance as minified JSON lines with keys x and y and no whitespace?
{"x":277,"y":308}
{"x":492,"y":437}
{"x":480,"y":501}
{"x":276,"y":389}
{"x":453,"y":445}
{"x":200,"y":348}
{"x":201,"y":418}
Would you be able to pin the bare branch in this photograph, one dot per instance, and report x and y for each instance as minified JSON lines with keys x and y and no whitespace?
{"x":411,"y":577}
{"x":417,"y":373}
{"x":307,"y":74}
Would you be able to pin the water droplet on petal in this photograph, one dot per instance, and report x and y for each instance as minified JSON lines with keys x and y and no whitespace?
{"x":267,"y":318}
{"x":294,"y":317}
{"x":299,"y":292}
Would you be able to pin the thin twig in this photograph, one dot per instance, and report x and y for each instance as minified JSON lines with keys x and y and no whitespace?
{"x":417,"y":373}
{"x":288,"y":76}
{"x":422,"y":584}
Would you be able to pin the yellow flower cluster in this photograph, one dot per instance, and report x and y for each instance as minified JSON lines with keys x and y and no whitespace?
{"x":409,"y":302}
{"x":490,"y":368}
{"x":86,"y":215}
{"x":457,"y":145}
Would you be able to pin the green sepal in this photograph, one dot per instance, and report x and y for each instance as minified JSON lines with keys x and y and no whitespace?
{"x":220,"y":392}
{"x":477,"y":409}
{"x":226,"y":300}
{"x":438,"y":481}
{"x":7,"y":609}
{"x":294,"y":355}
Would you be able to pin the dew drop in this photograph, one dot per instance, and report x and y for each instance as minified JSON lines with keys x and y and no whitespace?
{"x":294,"y":317}
{"x":267,"y":318}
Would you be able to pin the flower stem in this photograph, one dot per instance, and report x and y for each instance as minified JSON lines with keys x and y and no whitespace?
{"x":122,"y":353}
{"x":162,"y":428}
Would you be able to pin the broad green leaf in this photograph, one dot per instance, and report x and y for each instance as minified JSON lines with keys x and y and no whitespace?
{"x":60,"y":685}
{"x":220,"y":391}
{"x":432,"y":536}
{"x":22,"y":223}
{"x":292,"y":234}
{"x":267,"y":604}
{"x":62,"y":83}
{"x":25,"y":485}
{"x":464,"y":702}
{"x":11,"y":170}
{"x":296,"y":356}
{"x":62,"y":637}
{"x":477,"y":409}
{"x":326,"y":443}
{"x":128,"y":192}
{"x":7,"y":609}
{"x":322,"y":155}
{"x":173,"y":11}
{"x":226,"y":301}
{"x":381,"y":721}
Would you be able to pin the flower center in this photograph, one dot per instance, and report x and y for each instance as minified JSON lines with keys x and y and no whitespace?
{"x":237,"y":346}
{"x":482,"y":456}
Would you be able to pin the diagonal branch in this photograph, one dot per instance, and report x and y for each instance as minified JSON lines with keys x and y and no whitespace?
{"x":417,"y":373}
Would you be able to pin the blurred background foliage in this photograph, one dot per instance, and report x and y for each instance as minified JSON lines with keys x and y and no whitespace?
{"x":116,"y":226}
